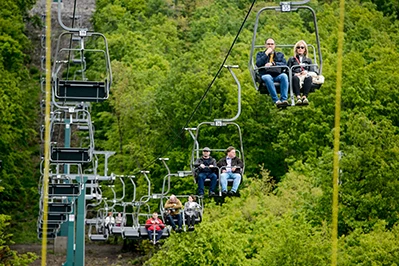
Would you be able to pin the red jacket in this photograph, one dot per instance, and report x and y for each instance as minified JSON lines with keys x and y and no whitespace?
{"x":150,"y":223}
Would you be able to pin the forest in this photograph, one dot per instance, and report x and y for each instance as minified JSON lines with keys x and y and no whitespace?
{"x":164,"y":54}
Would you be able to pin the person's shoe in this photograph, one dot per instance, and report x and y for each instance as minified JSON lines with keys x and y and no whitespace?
{"x":191,"y":228}
{"x":232,"y":193}
{"x":212,"y":194}
{"x":305,"y":101}
{"x":224,"y":193}
{"x":179,"y":230}
{"x":284,"y":103}
{"x":281,"y":104}
{"x":298,"y":101}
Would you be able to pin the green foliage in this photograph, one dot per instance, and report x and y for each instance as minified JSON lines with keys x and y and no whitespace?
{"x":258,"y":229}
{"x":164,"y":56}
{"x":10,"y":257}
{"x":166,"y":53}
{"x":18,"y":106}
{"x":379,"y":247}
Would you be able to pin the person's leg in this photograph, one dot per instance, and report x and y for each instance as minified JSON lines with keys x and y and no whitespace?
{"x":201,"y":180}
{"x":236,"y":183}
{"x":295,"y":86}
{"x":213,"y":178}
{"x":179,"y":220}
{"x":193,"y":219}
{"x":188,"y":219}
{"x":223,"y":181}
{"x":268,"y":79}
{"x":283,"y":79}
{"x":172,"y":222}
{"x":109,"y":229}
{"x":159,"y":234}
{"x":150,"y":234}
{"x":307,"y":84}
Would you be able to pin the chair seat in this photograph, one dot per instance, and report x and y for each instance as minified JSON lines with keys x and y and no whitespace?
{"x":78,"y":90}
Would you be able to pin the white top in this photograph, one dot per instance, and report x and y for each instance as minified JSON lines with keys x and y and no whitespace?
{"x":228,"y":167}
{"x":109,"y":219}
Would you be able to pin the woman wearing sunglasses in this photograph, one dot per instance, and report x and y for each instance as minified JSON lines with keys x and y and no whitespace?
{"x":300,"y":77}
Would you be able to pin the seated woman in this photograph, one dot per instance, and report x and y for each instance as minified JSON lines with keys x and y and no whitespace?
{"x":300,"y":77}
{"x":119,"y":219}
{"x":191,"y":209}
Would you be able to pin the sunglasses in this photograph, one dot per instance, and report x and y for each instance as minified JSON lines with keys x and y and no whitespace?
{"x":300,"y":47}
{"x":269,"y":43}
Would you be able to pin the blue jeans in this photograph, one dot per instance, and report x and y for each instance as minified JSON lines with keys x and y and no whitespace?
{"x":172,"y":222}
{"x":151,"y":232}
{"x":201,"y":180}
{"x":283,"y":80}
{"x":230,"y":175}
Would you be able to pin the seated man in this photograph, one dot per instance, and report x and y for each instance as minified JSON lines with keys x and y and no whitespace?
{"x":154,"y":224}
{"x":204,"y":169}
{"x":269,"y":73}
{"x":231,"y":167}
{"x":173,"y":206}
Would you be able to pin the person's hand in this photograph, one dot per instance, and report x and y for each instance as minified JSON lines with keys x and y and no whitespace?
{"x":202,"y":165}
{"x":233,"y":169}
{"x":153,"y":222}
{"x":269,"y":51}
{"x":224,"y":171}
{"x":304,"y":72}
{"x":268,"y":64}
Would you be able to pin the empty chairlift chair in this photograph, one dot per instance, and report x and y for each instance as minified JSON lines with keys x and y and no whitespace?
{"x":70,"y":83}
{"x":70,"y":121}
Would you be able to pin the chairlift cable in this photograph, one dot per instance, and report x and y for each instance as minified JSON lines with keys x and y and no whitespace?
{"x":70,"y":40}
{"x":220,"y":68}
{"x":209,"y":86}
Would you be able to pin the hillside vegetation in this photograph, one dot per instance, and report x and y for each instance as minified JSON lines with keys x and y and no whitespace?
{"x":164,"y":55}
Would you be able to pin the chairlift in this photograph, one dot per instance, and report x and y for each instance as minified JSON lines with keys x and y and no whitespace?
{"x":285,"y":7}
{"x":69,"y":120}
{"x":200,"y":211}
{"x":79,"y":88}
{"x":218,"y":123}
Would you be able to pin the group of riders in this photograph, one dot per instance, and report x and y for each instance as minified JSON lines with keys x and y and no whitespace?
{"x":272,"y":67}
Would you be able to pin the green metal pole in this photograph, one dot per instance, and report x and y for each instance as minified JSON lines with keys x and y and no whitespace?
{"x":70,"y":224}
{"x":71,"y":238}
{"x":80,"y":226}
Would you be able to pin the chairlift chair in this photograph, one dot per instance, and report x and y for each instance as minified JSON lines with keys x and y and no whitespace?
{"x":79,"y":89}
{"x":285,"y":7}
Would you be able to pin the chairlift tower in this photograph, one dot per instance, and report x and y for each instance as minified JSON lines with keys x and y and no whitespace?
{"x":71,"y":95}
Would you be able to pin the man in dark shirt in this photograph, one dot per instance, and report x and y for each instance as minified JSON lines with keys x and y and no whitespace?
{"x":204,"y":170}
{"x":268,"y":62}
